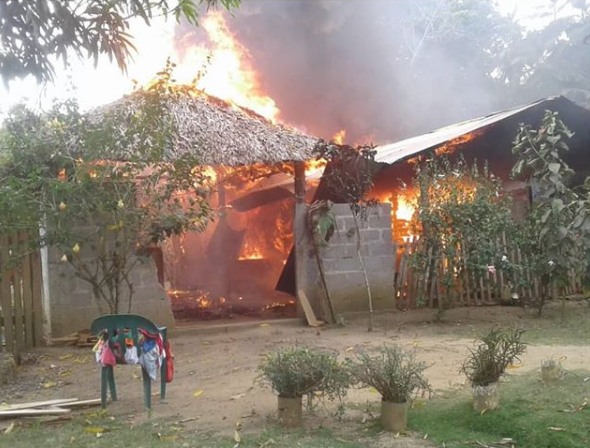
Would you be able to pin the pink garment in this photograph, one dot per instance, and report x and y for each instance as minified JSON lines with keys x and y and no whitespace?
{"x":107,"y":357}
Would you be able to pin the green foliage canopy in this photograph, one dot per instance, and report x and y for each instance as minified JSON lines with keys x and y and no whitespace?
{"x":101,"y":213}
{"x":34,"y":34}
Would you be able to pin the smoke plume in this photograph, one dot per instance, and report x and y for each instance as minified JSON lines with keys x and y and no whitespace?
{"x":369,"y":67}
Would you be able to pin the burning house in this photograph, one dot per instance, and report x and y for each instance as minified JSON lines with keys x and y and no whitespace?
{"x":257,"y":258}
{"x":488,"y":139}
{"x":231,"y":268}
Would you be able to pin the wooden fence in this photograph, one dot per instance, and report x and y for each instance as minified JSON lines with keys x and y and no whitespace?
{"x":20,"y":295}
{"x":435,"y":287}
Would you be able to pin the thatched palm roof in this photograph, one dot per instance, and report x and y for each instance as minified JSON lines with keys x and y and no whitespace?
{"x":218,"y":132}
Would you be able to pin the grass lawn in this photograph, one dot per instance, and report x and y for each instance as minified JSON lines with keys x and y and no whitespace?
{"x":556,"y":327}
{"x":533,"y":415}
{"x":97,"y":431}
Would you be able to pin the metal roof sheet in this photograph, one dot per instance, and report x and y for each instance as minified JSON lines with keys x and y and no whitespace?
{"x":394,"y":152}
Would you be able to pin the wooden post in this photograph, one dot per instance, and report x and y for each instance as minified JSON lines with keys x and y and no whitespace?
{"x":299,"y":182}
{"x":19,"y":321}
{"x":27,"y":294}
{"x":5,"y":293}
{"x":37,"y":287}
{"x":227,"y":264}
{"x":299,"y":233}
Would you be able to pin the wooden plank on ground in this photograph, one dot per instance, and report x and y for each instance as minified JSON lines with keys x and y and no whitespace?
{"x":308,"y":310}
{"x":37,"y":404}
{"x":33,"y":412}
{"x":81,"y":403}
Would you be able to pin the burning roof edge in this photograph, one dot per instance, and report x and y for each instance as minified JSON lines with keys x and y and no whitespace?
{"x":395,"y":152}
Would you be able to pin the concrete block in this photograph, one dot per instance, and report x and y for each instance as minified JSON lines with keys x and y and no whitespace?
{"x":379,"y":264}
{"x":379,"y":249}
{"x":386,"y":235}
{"x":340,"y":251}
{"x":380,"y":222}
{"x":368,"y":235}
{"x":347,"y":264}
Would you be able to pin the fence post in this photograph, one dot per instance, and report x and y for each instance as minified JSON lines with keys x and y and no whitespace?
{"x":5,"y":293}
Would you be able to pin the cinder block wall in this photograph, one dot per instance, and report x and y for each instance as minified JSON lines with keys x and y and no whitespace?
{"x":73,"y":306}
{"x":344,"y":275}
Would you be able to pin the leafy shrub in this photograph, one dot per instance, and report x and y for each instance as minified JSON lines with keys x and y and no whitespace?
{"x":296,"y":372}
{"x":463,"y":211}
{"x":394,"y":373}
{"x":496,"y":351}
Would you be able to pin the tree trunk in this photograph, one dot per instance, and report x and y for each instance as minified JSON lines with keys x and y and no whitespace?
{"x":364,"y":269}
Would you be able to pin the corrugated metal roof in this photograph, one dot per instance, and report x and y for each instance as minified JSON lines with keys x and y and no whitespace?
{"x":394,"y":152}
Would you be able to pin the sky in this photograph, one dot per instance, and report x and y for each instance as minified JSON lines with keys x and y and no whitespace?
{"x":93,"y":86}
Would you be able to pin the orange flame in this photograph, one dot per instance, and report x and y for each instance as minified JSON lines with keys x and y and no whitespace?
{"x":451,"y":146}
{"x":250,"y":252}
{"x":402,"y":213}
{"x":224,"y":70}
{"x":405,"y":210}
{"x":339,"y":137}
{"x":314,"y":166}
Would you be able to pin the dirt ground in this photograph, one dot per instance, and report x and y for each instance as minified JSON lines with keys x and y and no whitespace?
{"x":223,"y":365}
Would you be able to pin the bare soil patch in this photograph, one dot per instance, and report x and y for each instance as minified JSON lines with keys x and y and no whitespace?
{"x":223,"y":366}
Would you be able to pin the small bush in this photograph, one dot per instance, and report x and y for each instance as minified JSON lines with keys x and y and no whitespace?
{"x":496,"y":350}
{"x":297,"y":372}
{"x":394,"y":373}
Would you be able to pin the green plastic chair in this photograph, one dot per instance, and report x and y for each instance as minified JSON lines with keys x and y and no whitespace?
{"x":113,"y":322}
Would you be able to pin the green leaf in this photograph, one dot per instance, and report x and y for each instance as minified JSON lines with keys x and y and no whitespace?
{"x":554,"y":167}
{"x":557,"y":205}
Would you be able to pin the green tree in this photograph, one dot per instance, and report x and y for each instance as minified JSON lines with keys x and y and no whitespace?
{"x":559,"y":222}
{"x":101,"y":210}
{"x":551,"y":60}
{"x":35,"y":34}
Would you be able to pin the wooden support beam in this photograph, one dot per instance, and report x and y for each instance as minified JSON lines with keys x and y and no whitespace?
{"x":300,"y":182}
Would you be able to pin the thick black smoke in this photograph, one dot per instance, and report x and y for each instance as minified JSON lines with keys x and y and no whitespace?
{"x":382,"y":70}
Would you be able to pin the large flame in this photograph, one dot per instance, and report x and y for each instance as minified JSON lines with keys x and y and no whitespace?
{"x":339,"y":137}
{"x":402,"y":214}
{"x":405,"y":209}
{"x":224,"y":69}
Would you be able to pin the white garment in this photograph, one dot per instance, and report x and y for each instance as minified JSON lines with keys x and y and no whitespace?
{"x":131,"y":355}
{"x":150,"y":361}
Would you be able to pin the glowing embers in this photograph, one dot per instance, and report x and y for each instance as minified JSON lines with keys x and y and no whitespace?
{"x":199,"y":305}
{"x":232,"y":268}
{"x":250,"y":252}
